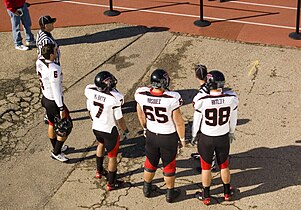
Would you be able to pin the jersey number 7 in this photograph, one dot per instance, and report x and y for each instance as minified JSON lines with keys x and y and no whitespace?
{"x":100,"y":109}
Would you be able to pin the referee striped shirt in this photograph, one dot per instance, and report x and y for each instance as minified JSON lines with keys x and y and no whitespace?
{"x":43,"y":38}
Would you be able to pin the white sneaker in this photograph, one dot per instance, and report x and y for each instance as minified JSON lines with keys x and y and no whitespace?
{"x":21,"y":47}
{"x":31,"y":44}
{"x":64,"y":148}
{"x":60,"y":157}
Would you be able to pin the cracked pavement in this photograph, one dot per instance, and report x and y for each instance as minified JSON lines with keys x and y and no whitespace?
{"x":265,"y":158}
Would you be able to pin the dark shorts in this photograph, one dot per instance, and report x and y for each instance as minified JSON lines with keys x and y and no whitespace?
{"x":110,"y":140}
{"x":208,"y":144}
{"x":164,"y":146}
{"x":52,"y":110}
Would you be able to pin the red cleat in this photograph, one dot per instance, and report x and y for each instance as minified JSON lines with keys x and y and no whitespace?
{"x":227,"y":197}
{"x":117,"y":185}
{"x":98,"y":175}
{"x":200,"y":195}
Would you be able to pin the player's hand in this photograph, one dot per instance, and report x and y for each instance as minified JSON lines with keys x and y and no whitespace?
{"x":183,"y":143}
{"x":232,"y":137}
{"x":125,"y":134}
{"x":193,"y":141}
{"x":62,"y":114}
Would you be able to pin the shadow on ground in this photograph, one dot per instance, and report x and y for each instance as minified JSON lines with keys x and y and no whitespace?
{"x":262,"y":170}
{"x":114,"y":34}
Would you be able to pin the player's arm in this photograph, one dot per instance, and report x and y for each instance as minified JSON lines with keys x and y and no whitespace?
{"x":196,"y":123}
{"x":57,"y":94}
{"x":120,"y":120}
{"x":180,"y":125}
{"x":233,"y":116}
{"x":88,"y":102}
{"x":141,"y":116}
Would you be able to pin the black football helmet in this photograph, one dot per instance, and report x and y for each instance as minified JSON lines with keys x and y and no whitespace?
{"x":215,"y":79}
{"x":105,"y":81}
{"x":201,"y":71}
{"x":160,"y":79}
{"x":62,"y":127}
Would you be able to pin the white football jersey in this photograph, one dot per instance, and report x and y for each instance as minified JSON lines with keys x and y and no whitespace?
{"x":105,"y":108}
{"x":158,"y":109}
{"x":50,"y":77}
{"x":215,"y":113}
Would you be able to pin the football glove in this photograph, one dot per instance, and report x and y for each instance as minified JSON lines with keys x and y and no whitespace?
{"x":232,"y":137}
{"x":125,"y":134}
{"x":193,"y":141}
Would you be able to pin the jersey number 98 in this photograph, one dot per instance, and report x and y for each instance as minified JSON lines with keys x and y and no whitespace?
{"x":216,"y":116}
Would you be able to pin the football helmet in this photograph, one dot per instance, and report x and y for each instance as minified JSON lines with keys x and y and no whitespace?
{"x":201,"y":72}
{"x":160,"y":79}
{"x":105,"y":81}
{"x":215,"y":79}
{"x":62,"y":127}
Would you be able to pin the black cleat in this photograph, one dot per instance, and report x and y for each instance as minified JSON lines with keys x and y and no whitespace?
{"x":172,"y":194}
{"x":147,"y":189}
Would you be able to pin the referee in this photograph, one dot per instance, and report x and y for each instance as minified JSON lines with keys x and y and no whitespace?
{"x":45,"y":37}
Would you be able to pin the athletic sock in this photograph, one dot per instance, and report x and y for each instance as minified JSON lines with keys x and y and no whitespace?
{"x":58,"y":147}
{"x":226,"y":188}
{"x":207,"y":192}
{"x":112,"y":177}
{"x":99,"y":163}
{"x":53,"y":142}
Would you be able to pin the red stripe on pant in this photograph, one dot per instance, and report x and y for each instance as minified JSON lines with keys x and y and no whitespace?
{"x":224,"y":164}
{"x":148,"y":166}
{"x":205,"y":165}
{"x":170,"y":169}
{"x":113,"y":153}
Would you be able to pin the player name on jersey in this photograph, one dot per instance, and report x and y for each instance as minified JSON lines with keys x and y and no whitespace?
{"x":99,"y":98}
{"x":153,"y":101}
{"x":217,"y":101}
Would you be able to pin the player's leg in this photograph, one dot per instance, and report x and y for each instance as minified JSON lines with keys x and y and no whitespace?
{"x":168,"y":148}
{"x":48,"y":109}
{"x":111,"y":142}
{"x":206,"y":151}
{"x":151,"y":162}
{"x":222,"y":155}
{"x":100,"y":151}
{"x":59,"y":146}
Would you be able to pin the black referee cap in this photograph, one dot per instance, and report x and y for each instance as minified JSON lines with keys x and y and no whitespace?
{"x":46,"y":20}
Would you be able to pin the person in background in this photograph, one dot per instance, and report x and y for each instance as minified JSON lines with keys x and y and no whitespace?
{"x":19,"y":13}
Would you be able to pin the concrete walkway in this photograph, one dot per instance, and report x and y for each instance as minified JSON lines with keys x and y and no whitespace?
{"x":265,"y":158}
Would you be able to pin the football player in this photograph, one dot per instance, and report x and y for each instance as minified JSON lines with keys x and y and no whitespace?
{"x":201,"y":76}
{"x":159,"y":114}
{"x":50,"y":77}
{"x":104,"y":106}
{"x":215,"y":120}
